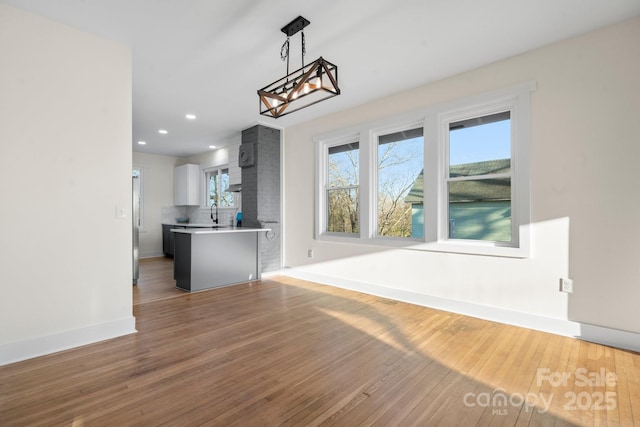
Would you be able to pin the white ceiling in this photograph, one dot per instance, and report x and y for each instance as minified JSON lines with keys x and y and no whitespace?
{"x":208,"y":57}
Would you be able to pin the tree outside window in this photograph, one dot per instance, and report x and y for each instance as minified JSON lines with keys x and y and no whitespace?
{"x":400,"y":163}
{"x":343,"y":214}
{"x":218,"y":184}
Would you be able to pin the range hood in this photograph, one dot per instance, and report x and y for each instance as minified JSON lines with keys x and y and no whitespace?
{"x":234,"y":188}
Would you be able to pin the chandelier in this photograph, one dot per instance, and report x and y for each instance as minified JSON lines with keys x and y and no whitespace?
{"x":299,"y":89}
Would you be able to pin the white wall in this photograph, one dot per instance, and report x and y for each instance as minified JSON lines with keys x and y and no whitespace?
{"x":585,"y":204}
{"x":157,"y":192}
{"x":65,"y":171}
{"x":227,"y":155}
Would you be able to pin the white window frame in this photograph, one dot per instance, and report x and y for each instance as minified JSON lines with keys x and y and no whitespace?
{"x":435,"y":122}
{"x":518,"y":139}
{"x":375,"y":135}
{"x":322,"y":175}
{"x":140,"y":194}
{"x":205,"y":194}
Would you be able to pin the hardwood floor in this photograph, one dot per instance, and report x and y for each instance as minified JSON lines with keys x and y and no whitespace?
{"x":156,"y":281}
{"x":288,"y":352}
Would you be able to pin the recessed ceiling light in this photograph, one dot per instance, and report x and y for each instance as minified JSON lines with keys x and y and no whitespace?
{"x":212,"y":146}
{"x":142,"y":143}
{"x":190,"y":116}
{"x":162,"y":131}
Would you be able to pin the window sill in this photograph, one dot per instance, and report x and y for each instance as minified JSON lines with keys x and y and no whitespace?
{"x":463,"y":247}
{"x":475,"y":249}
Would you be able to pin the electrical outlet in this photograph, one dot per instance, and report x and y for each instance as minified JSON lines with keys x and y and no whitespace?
{"x":310,"y":253}
{"x":566,"y":285}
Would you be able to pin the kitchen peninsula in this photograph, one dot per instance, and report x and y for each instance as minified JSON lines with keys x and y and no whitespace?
{"x":212,"y":257}
{"x":167,"y":236}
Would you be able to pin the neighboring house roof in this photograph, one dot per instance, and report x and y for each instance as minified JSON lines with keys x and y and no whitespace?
{"x":481,"y":168}
{"x":415,"y":195}
{"x":474,"y":190}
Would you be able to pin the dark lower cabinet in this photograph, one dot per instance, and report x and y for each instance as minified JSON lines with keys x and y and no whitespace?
{"x":168,"y":239}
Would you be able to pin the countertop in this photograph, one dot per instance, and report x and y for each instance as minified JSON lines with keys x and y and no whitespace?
{"x":218,"y":230}
{"x":195,"y":225}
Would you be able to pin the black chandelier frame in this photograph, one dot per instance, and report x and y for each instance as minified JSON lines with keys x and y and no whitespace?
{"x":306,"y":86}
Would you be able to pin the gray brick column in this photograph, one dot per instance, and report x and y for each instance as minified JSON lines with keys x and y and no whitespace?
{"x":261,"y":190}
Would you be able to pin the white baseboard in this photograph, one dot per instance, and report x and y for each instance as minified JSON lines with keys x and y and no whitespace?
{"x":268,"y":274}
{"x":34,"y":347}
{"x":157,"y":254}
{"x":598,"y":334}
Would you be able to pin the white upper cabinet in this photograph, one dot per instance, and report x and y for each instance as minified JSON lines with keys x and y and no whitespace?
{"x":186,"y":185}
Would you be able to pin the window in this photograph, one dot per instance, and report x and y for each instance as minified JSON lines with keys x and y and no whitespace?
{"x":342,"y":199}
{"x":217,"y":185}
{"x":454,"y":178}
{"x":137,"y":185}
{"x":399,"y":170}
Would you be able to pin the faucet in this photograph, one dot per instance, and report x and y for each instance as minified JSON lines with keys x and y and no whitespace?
{"x":215,"y":221}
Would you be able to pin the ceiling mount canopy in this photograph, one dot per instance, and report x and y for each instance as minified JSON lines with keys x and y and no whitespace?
{"x":306,"y":86}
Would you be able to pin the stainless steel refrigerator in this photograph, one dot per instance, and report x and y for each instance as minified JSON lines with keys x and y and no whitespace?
{"x":135,"y":215}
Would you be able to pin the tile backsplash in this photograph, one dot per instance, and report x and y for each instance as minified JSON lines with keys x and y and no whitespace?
{"x":196,"y":214}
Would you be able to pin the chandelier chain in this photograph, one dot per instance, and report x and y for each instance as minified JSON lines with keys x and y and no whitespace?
{"x":284,"y":50}
{"x":284,"y":54}
{"x":304,"y":48}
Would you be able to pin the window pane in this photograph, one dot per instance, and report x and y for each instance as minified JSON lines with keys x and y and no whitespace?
{"x":475,"y":143}
{"x":218,"y":187}
{"x":400,"y":184}
{"x":480,"y":209}
{"x":342,"y":188}
{"x":226,"y":198}
{"x":343,"y":165}
{"x":342,"y":206}
{"x":138,"y":186}
{"x":213,"y":188}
